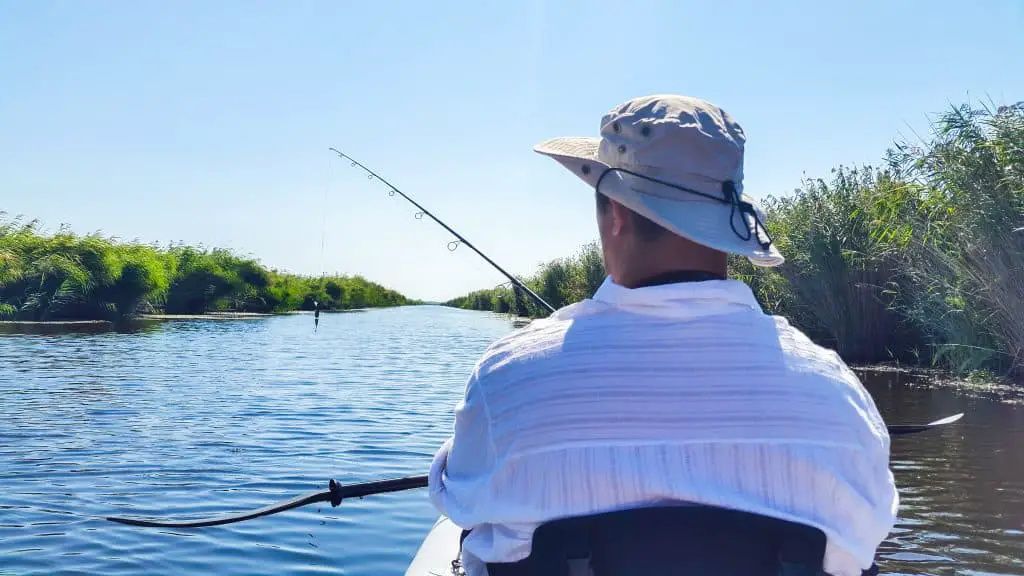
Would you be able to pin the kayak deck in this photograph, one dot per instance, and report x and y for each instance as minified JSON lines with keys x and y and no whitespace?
{"x":438,"y":550}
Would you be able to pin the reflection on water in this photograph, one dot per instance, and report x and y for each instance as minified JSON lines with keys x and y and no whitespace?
{"x":77,"y":327}
{"x":196,"y":418}
{"x":205,"y":417}
{"x":961,"y":488}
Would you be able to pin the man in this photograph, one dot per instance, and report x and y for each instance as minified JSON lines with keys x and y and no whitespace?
{"x":670,"y":383}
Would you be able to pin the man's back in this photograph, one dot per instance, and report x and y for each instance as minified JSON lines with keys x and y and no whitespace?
{"x":683,"y":392}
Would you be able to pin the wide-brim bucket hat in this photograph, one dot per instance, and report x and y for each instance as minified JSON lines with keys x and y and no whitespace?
{"x":677,"y":161}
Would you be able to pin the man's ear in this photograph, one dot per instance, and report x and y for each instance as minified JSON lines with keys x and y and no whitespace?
{"x":621,"y":220}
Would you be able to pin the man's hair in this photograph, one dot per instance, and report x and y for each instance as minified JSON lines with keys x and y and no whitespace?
{"x":646,"y":230}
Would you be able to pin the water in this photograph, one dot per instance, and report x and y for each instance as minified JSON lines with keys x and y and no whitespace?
{"x":961,"y":488}
{"x":199,"y":418}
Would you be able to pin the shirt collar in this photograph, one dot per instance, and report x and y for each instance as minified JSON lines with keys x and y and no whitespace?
{"x":681,"y":299}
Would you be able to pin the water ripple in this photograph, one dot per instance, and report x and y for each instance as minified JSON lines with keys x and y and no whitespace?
{"x":200,"y":418}
{"x":191,"y":419}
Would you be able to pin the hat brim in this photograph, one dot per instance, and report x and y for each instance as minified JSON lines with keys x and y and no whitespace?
{"x":700,"y":220}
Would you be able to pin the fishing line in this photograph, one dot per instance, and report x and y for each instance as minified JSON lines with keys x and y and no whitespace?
{"x":323,"y":225}
{"x":454,"y":244}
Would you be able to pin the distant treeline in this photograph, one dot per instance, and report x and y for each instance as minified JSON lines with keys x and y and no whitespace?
{"x":65,"y":276}
{"x":920,"y":261}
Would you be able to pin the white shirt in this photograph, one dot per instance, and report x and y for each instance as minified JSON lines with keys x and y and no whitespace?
{"x":683,"y":392}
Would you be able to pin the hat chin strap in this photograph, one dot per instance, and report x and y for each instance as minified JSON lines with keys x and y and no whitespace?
{"x":731,"y":197}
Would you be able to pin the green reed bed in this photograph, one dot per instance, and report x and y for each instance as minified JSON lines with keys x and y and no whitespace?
{"x":919,"y":261}
{"x":66,"y":276}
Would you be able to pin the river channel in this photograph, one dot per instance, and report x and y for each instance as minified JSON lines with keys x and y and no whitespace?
{"x":196,"y":418}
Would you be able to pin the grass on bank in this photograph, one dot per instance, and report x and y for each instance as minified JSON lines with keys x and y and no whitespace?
{"x":65,"y":276}
{"x":919,"y":261}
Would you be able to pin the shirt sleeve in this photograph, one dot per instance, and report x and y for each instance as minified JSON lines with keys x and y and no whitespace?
{"x":462,"y":467}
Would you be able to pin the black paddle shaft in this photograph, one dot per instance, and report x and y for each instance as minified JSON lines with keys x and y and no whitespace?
{"x":337,"y":492}
{"x":334,"y":494}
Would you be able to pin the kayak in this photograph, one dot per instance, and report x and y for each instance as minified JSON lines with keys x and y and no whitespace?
{"x":438,"y":550}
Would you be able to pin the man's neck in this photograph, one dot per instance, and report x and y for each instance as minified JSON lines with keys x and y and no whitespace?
{"x":668,"y":258}
{"x":677,"y":276}
{"x":682,"y":270}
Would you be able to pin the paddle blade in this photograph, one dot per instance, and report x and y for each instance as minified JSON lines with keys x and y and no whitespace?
{"x":947,"y":420}
{"x":900,"y":429}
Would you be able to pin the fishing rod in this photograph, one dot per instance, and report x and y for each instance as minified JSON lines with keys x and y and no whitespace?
{"x":335,"y":492}
{"x":454,"y":244}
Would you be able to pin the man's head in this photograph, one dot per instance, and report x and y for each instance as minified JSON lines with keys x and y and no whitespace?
{"x":635,"y":248}
{"x":668,"y":173}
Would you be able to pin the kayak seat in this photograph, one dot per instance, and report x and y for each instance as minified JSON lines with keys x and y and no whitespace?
{"x":672,"y":541}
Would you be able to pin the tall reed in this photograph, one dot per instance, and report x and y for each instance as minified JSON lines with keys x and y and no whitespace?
{"x":921,"y":260}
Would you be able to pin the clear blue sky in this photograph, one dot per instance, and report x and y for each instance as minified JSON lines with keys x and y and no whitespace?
{"x":209,"y":122}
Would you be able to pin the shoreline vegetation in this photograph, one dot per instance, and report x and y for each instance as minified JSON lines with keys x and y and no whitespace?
{"x":919,"y":262}
{"x":67,"y":277}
